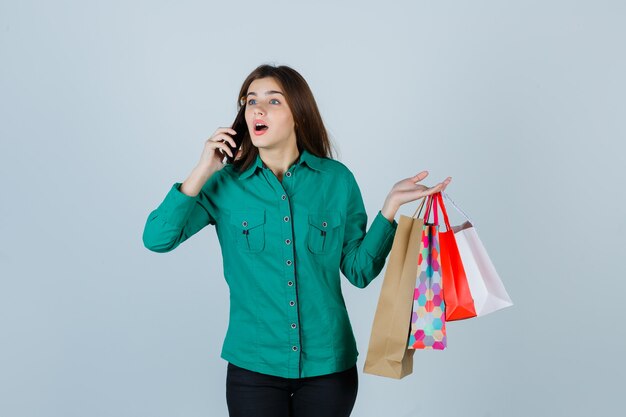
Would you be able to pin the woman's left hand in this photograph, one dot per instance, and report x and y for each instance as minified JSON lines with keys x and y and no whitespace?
{"x":408,"y":190}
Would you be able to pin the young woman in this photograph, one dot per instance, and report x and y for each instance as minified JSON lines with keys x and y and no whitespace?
{"x":289,"y":218}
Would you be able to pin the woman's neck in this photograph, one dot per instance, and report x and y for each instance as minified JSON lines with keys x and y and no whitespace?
{"x":279,"y":161}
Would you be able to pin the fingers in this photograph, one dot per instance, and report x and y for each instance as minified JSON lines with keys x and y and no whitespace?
{"x":442,"y":185}
{"x":439,"y":187}
{"x":225,"y":138}
{"x":222,"y":147}
{"x":223,"y":133}
{"x":227,"y":148}
{"x":420,"y":176}
{"x":224,"y":130}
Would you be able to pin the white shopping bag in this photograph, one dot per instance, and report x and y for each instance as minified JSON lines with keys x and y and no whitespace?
{"x":484,"y":282}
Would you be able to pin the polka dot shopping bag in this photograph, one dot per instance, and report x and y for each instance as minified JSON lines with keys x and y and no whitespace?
{"x":428,"y":319}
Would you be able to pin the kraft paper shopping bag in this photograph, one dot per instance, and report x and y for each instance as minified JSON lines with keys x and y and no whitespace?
{"x":387,"y":353}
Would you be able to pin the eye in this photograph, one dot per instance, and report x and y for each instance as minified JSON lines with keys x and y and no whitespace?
{"x":253,"y":100}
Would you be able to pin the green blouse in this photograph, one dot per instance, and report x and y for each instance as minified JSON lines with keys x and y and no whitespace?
{"x":283,"y":245}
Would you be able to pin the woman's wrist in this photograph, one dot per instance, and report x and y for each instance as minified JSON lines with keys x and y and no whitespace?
{"x":196,"y":180}
{"x":389,"y":210}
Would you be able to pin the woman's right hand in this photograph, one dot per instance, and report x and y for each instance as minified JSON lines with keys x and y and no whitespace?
{"x":216,"y":147}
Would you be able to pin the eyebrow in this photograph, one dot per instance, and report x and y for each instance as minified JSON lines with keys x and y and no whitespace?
{"x":252,"y":93}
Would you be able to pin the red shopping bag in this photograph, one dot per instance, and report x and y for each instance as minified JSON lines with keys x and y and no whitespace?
{"x":456,"y":291}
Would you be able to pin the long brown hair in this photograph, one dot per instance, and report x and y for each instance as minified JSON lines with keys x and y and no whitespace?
{"x":310,"y":131}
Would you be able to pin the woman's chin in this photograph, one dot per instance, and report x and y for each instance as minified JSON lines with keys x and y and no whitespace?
{"x":260,"y":140}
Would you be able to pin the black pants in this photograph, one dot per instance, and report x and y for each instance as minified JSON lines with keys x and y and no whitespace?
{"x":253,"y":394}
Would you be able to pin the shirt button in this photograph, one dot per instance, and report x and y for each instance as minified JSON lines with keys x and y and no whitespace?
{"x":286,"y":218}
{"x":293,"y":325}
{"x":288,"y":262}
{"x":287,"y":241}
{"x":283,"y":196}
{"x":324,"y":224}
{"x":290,"y":283}
{"x":292,"y":303}
{"x":295,"y":348}
{"x":288,"y":174}
{"x":244,"y":223}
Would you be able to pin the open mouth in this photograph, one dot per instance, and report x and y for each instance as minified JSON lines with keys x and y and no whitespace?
{"x":259,"y":127}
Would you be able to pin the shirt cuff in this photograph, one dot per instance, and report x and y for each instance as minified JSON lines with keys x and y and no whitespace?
{"x":177,"y":206}
{"x":379,"y":238}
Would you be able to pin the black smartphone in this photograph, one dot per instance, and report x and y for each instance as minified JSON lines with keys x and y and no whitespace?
{"x":239,"y":126}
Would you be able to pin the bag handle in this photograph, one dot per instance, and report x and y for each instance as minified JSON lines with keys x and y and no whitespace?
{"x":431,"y":206}
{"x":419,"y":208}
{"x":457,"y":207}
{"x":443,"y":210}
{"x":428,"y":206}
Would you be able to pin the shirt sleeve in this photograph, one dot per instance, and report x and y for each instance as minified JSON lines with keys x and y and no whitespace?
{"x":363,"y":254}
{"x":178,"y":217}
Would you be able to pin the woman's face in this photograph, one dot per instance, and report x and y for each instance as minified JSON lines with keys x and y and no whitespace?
{"x":266,"y":105}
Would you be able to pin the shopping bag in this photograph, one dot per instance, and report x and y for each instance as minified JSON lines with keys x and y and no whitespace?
{"x":428,"y":319}
{"x":456,"y":292}
{"x":387,"y":353}
{"x":484,"y":282}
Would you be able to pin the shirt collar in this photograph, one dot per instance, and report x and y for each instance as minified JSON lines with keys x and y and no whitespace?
{"x":306,"y":157}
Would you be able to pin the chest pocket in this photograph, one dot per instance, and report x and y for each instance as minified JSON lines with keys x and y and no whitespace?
{"x":248,"y":229}
{"x":324,"y":231}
